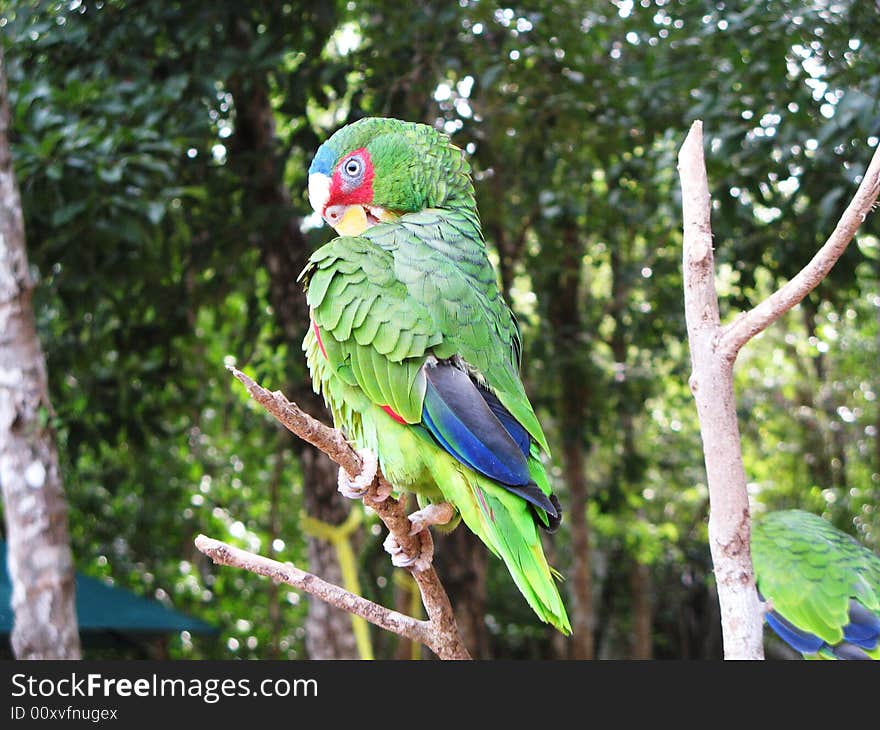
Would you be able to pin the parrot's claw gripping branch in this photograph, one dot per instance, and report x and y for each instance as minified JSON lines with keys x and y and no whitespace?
{"x":356,"y":487}
{"x":434,"y":514}
{"x":417,"y":562}
{"x":440,"y":632}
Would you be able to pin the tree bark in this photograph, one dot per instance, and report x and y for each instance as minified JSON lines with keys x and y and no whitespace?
{"x":328,"y":629}
{"x":582,"y":623}
{"x":629,"y":469}
{"x":711,"y":384}
{"x":564,"y":311}
{"x":39,"y":558}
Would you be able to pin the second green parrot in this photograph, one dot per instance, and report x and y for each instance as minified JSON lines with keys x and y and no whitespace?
{"x":822,"y":587}
{"x":415,"y":351}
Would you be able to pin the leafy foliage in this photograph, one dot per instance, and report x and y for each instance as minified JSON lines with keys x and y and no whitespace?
{"x":141,"y":224}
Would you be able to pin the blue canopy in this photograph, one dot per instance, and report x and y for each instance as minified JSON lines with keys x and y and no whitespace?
{"x":104,"y":608}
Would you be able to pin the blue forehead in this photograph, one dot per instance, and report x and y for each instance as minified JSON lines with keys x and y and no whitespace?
{"x":324,"y":160}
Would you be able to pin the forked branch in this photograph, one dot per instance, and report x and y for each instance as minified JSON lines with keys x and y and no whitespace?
{"x":440,"y":632}
{"x":756,"y":320}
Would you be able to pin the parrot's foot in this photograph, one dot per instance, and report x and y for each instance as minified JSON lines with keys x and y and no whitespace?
{"x":433,"y":514}
{"x":382,"y":491}
{"x":357,"y":487}
{"x":420,"y":521}
{"x":401,"y":559}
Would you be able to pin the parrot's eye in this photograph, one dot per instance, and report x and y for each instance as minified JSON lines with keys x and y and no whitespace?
{"x":352,"y":168}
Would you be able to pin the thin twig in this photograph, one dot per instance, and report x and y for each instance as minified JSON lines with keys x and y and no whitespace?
{"x":756,"y":320}
{"x":224,"y":554}
{"x":440,"y":633}
{"x":294,"y":419}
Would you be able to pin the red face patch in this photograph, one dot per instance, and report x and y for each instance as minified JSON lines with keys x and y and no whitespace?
{"x":352,"y":181}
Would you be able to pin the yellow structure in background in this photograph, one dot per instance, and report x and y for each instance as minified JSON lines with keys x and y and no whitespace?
{"x":339,"y":536}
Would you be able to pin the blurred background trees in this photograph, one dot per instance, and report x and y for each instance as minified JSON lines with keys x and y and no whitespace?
{"x":162,"y":150}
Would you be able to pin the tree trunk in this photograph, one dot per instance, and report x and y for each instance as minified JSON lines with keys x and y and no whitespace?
{"x":711,"y":384}
{"x":564,"y":311}
{"x":285,"y":252}
{"x":462,"y":562}
{"x":582,"y":578}
{"x":328,"y":630}
{"x":629,"y":470}
{"x":39,"y":558}
{"x":640,"y":584}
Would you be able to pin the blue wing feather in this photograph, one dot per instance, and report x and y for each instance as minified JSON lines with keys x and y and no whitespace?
{"x":514,"y":428}
{"x":461,"y":421}
{"x":471,"y":424}
{"x":862,"y":632}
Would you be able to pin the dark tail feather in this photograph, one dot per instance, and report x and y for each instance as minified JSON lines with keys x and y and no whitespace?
{"x":554,"y":519}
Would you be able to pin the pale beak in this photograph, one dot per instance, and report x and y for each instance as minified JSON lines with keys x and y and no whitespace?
{"x":347,"y":220}
{"x":353,"y":220}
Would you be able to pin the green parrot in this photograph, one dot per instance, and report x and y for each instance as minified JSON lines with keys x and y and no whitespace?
{"x":416,"y":353}
{"x":822,"y":587}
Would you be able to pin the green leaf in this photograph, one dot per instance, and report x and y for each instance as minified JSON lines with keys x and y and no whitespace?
{"x":66,"y":213}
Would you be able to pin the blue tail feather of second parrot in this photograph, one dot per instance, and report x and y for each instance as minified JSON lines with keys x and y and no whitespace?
{"x":848,"y":651}
{"x":797,"y":639}
{"x":863,"y":628}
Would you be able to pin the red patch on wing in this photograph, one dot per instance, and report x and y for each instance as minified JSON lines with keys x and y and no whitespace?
{"x":390,"y":411}
{"x":320,"y":342}
{"x":486,"y":507}
{"x":363,"y":194}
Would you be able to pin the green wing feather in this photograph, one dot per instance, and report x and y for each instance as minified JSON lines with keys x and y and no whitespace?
{"x":440,"y":258}
{"x":374,"y":334}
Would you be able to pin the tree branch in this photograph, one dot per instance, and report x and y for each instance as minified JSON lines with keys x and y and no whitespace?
{"x":756,"y":320}
{"x":440,"y":632}
{"x":224,"y":554}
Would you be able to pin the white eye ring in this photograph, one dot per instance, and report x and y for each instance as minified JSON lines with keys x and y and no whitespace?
{"x":352,"y":167}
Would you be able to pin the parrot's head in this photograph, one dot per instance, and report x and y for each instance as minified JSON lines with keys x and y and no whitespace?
{"x":377,"y":169}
